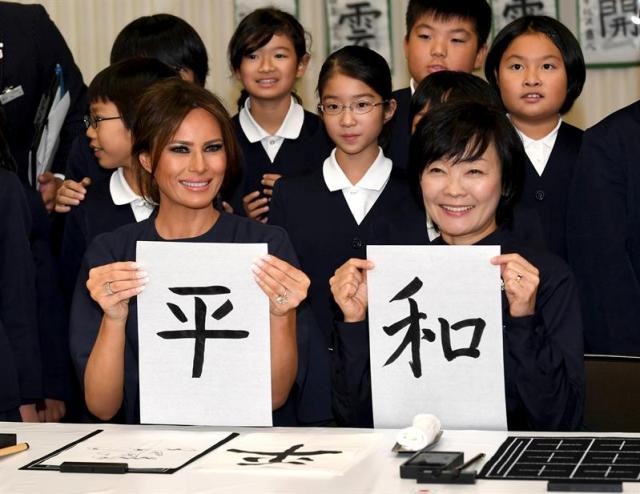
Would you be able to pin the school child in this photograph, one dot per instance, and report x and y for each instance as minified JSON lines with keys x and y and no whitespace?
{"x":537,"y":66}
{"x":441,"y":35}
{"x":446,"y":87}
{"x":184,"y":150}
{"x":165,"y":37}
{"x":329,"y":212}
{"x":268,"y":54}
{"x":469,"y":179}
{"x":115,"y":200}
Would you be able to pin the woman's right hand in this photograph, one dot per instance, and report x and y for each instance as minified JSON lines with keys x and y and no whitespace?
{"x":112,"y":285}
{"x":349,"y":289}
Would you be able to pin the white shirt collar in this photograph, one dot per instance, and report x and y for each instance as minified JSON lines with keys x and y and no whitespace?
{"x":121,"y":192}
{"x":548,"y":141}
{"x":290,"y":128}
{"x":412,"y":85}
{"x":375,"y":178}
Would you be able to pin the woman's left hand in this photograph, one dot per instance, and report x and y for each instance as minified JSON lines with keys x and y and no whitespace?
{"x":285,"y":285}
{"x":521,"y":280}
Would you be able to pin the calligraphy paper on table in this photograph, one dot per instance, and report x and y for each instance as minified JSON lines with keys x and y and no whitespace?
{"x":203,"y":333}
{"x":325,"y":454}
{"x":152,"y":450}
{"x":435,"y":333}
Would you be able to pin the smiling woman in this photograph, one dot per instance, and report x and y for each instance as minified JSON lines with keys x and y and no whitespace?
{"x":466,"y":165}
{"x":184,"y":152}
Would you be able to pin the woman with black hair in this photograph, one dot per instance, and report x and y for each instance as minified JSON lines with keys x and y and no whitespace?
{"x":469,"y":178}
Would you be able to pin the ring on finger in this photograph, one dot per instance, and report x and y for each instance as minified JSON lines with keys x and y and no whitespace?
{"x":282,"y":299}
{"x":107,"y":288}
{"x":519,"y":277}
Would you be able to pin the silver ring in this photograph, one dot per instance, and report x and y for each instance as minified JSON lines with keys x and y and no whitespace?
{"x":282,"y":299}
{"x":107,"y":288}
{"x":518,"y":277}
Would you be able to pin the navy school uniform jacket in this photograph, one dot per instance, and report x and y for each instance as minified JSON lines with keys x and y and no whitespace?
{"x":325,"y":235}
{"x":547,"y":194}
{"x":20,"y":368}
{"x":32,"y":48}
{"x":120,"y":245}
{"x":295,"y":157}
{"x":603,"y":233}
{"x":51,"y":313}
{"x":397,"y":150}
{"x":95,"y":215}
{"x":543,"y":356}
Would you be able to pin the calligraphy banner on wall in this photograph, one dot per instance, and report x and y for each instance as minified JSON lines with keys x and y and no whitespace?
{"x":203,"y":335}
{"x":244,"y":7}
{"x":435,"y":334}
{"x":363,"y":23}
{"x":607,"y":32}
{"x":505,"y":11}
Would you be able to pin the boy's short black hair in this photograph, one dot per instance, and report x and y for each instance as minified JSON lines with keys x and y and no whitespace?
{"x":559,"y":35}
{"x":476,"y":11}
{"x":168,"y":38}
{"x":462,"y":131}
{"x":123,"y":84}
{"x":448,"y":86}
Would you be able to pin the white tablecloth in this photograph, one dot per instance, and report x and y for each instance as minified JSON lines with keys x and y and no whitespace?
{"x":377,"y":473}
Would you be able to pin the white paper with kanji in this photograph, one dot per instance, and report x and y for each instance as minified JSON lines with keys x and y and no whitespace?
{"x":292,"y":453}
{"x":203,"y":335}
{"x":436,"y":348}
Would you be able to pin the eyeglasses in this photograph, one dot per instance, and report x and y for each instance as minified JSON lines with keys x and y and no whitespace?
{"x":93,"y":121}
{"x":359,"y":107}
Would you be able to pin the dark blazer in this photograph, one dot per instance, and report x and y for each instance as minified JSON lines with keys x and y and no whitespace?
{"x":603,"y":232}
{"x":295,"y":157}
{"x":325,"y":235}
{"x":543,"y":354}
{"x":95,"y":215}
{"x":32,"y":48}
{"x":397,"y":149}
{"x":547,"y":194}
{"x":20,"y":368}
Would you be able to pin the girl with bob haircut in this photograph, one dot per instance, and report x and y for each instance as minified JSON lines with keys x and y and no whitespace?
{"x":185,"y":152}
{"x":537,"y":67}
{"x":268,"y":54}
{"x":466,"y":166}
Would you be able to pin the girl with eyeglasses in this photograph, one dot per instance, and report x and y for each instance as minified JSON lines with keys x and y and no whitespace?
{"x":329,"y":213}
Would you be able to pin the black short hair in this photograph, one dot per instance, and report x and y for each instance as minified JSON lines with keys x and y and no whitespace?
{"x":124,"y":83}
{"x":462,"y":131}
{"x":363,"y":64}
{"x":448,"y":86}
{"x":476,"y":11}
{"x":256,"y":30}
{"x":168,"y":38}
{"x":559,"y":35}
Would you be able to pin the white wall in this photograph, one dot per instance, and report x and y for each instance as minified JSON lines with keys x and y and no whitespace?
{"x":90,"y":26}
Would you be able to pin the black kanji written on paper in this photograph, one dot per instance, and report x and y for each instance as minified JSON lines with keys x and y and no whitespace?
{"x":414,"y":333}
{"x":298,"y":457}
{"x":200,"y":334}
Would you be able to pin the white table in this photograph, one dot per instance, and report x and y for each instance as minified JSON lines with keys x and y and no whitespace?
{"x":377,"y":473}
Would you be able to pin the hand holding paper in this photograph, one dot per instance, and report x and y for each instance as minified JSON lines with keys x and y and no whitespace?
{"x":521,"y":280}
{"x":112,"y":285}
{"x":349,"y":289}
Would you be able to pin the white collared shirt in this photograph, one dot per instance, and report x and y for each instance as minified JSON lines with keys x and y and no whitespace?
{"x":539,"y":150}
{"x":362,"y":196}
{"x":290,"y":128}
{"x":121,"y":193}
